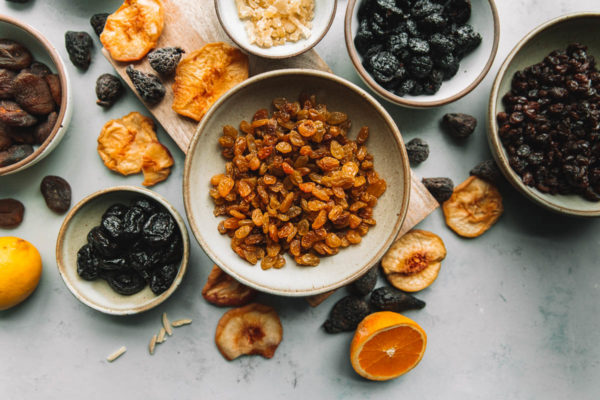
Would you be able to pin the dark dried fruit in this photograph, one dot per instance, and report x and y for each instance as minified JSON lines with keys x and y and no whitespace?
{"x":148,"y":86}
{"x":12,"y":114}
{"x":126,"y":282}
{"x":108,"y":90}
{"x":118,"y":210}
{"x":88,"y":263}
{"x":459,"y":125}
{"x":6,"y":83}
{"x":165,"y":60}
{"x":458,"y":11}
{"x":133,"y":223}
{"x":33,"y":94}
{"x":487,"y":170}
{"x":42,"y":130}
{"x":113,"y":225}
{"x":418,"y":150}
{"x":53,"y":82}
{"x":98,"y":21}
{"x":390,"y":299}
{"x":79,"y":46}
{"x":102,"y":243}
{"x":39,"y":69}
{"x":440,"y":188}
{"x":11,"y":213}
{"x":162,"y":278}
{"x":159,"y":229}
{"x":57,"y":193}
{"x":5,"y":136}
{"x":363,"y":285}
{"x":14,"y":55}
{"x":147,"y":205}
{"x":346,"y":314}
{"x":14,"y":154}
{"x":113,"y":264}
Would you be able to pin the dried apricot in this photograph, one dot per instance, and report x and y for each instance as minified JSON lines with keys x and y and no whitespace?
{"x":224,"y":291}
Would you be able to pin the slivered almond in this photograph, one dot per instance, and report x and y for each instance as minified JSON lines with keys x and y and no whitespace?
{"x":181,"y":322}
{"x":161,"y":336}
{"x":116,"y":354}
{"x":152,"y":344}
{"x":167,"y":324}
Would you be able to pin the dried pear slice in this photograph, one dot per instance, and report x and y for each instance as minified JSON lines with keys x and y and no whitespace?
{"x":473,"y":208}
{"x":252,"y":329}
{"x":222,"y":290}
{"x":413,"y":262}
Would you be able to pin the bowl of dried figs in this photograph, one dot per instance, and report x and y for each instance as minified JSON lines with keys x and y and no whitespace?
{"x":122,"y":250}
{"x":544,"y":116}
{"x":296,"y":182}
{"x":424,"y":53}
{"x":34,"y":96}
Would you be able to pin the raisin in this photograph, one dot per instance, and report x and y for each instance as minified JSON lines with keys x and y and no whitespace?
{"x":97,"y":21}
{"x":12,"y":114}
{"x":390,"y":299}
{"x":165,"y":60}
{"x":42,"y":131}
{"x":57,"y":193}
{"x":88,"y":263}
{"x":440,"y":188}
{"x":14,"y":154}
{"x":126,"y":282}
{"x":108,"y":90}
{"x":418,"y":46}
{"x":33,"y":94}
{"x":148,"y":86}
{"x":363,"y":285}
{"x":418,"y":150}
{"x":466,"y":39}
{"x":79,"y":46}
{"x":441,"y":44}
{"x":102,"y":243}
{"x":11,"y":213}
{"x":420,"y":66}
{"x":346,"y":314}
{"x":159,"y":229}
{"x":13,"y":55}
{"x":162,"y":278}
{"x":459,"y":125}
{"x":487,"y":170}
{"x":6,"y":83}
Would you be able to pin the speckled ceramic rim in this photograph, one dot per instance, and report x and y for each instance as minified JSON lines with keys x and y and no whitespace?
{"x":142,"y":307}
{"x":250,"y":50}
{"x":494,"y":139}
{"x":401,"y":101}
{"x":403,"y":208}
{"x":62,"y":74}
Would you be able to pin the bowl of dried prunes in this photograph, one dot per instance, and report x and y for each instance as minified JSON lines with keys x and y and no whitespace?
{"x":122,"y":250}
{"x":422,"y":53}
{"x":544,"y":116}
{"x":35,"y":109}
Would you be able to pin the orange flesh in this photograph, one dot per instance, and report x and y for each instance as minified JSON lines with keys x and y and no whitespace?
{"x":392,"y":351}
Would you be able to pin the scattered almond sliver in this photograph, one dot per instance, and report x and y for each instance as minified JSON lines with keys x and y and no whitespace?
{"x":152,"y":344}
{"x":181,"y":322}
{"x":161,"y":336}
{"x":116,"y":354}
{"x":167,"y":324}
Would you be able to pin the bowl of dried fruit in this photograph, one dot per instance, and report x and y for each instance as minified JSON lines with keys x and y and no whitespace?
{"x":286,"y":189}
{"x":35,"y":106}
{"x":544,"y":116}
{"x":422,"y":53}
{"x":122,"y":250}
{"x":276,"y":29}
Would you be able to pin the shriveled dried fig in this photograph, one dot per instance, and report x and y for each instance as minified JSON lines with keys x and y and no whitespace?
{"x":13,"y":115}
{"x":33,"y":94}
{"x":222,"y":290}
{"x":413,"y":262}
{"x":7,"y":78}
{"x":252,"y":329}
{"x":14,"y":55}
{"x":473,"y":208}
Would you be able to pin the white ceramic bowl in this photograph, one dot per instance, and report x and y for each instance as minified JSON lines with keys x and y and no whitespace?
{"x":42,"y":50}
{"x":385,"y":143}
{"x":537,"y":44}
{"x":473,"y":68}
{"x":236,"y":29}
{"x":73,"y":235}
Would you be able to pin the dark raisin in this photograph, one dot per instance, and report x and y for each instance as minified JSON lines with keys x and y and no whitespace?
{"x":11,"y":213}
{"x":364,"y":37}
{"x":423,"y":8}
{"x":487,"y":170}
{"x":88,"y":263}
{"x":459,"y":125}
{"x":126,"y":282}
{"x":466,"y":39}
{"x":418,"y":150}
{"x":108,"y":90}
{"x":79,"y":46}
{"x":6,"y":83}
{"x":159,"y":229}
{"x":440,"y":188}
{"x":102,"y":243}
{"x":435,"y":22}
{"x":148,"y":86}
{"x":162,"y":278}
{"x":57,"y":193}
{"x":418,"y":46}
{"x":14,"y":55}
{"x":363,"y":285}
{"x":165,"y":60}
{"x":97,"y":21}
{"x":346,"y":314}
{"x":441,"y":44}
{"x":14,"y":154}
{"x":420,"y":66}
{"x":33,"y":94}
{"x":389,"y":299}
{"x":396,"y":43}
{"x":12,"y":114}
{"x":448,"y":64}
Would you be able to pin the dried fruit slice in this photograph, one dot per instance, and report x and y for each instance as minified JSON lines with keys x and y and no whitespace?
{"x":133,"y":30}
{"x":252,"y":329}
{"x":206,"y":74}
{"x":222,"y":290}
{"x":413,"y":262}
{"x":156,"y":164}
{"x":473,"y":208}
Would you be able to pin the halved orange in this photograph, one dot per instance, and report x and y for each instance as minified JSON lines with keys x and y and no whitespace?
{"x":386,"y":345}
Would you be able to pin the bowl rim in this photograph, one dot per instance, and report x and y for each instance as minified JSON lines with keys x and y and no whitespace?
{"x":198,"y":135}
{"x":253,"y":51}
{"x":496,"y":146}
{"x":64,"y":86}
{"x":158,"y":299}
{"x":401,"y":101}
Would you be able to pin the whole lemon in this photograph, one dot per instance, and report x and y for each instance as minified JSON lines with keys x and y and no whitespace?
{"x":20,"y":270}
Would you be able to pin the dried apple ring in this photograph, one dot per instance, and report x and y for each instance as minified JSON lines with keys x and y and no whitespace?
{"x":222,"y":290}
{"x":413,"y":262}
{"x":133,"y":30}
{"x":475,"y":205}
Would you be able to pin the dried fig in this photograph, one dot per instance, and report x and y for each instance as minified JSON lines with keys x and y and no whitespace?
{"x":222,"y":290}
{"x":79,"y":46}
{"x":346,"y":314}
{"x":12,"y":114}
{"x":33,"y":94}
{"x":14,"y":55}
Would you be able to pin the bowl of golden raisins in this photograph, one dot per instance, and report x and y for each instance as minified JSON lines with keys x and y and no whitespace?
{"x":296,"y":182}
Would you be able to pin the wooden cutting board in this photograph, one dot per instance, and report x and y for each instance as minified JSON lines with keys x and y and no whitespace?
{"x":190,"y":24}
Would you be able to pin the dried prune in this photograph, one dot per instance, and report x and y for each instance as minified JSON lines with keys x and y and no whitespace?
{"x":53,"y":82}
{"x":42,"y":130}
{"x":126,"y":282}
{"x":133,"y":223}
{"x":113,"y":264}
{"x":440,"y":188}
{"x":11,"y":213}
{"x":14,"y":55}
{"x":118,"y":210}
{"x":162,"y":278}
{"x":102,"y":243}
{"x":418,"y":150}
{"x":14,"y":154}
{"x":159,"y":229}
{"x":33,"y":94}
{"x":79,"y":46}
{"x":97,"y":21}
{"x":389,"y":299}
{"x":487,"y":170}
{"x":57,"y":193}
{"x":12,"y":114}
{"x":113,"y":225}
{"x":165,"y":60}
{"x":346,"y":314}
{"x":149,"y":206}
{"x":363,"y":285}
{"x":148,"y":86}
{"x":88,"y":263}
{"x":459,"y":125}
{"x":140,"y":261}
{"x":173,"y":251}
{"x":108,"y":90}
{"x":6,"y":83}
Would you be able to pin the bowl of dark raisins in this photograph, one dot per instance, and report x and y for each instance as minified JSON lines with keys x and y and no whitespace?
{"x":122,"y":250}
{"x":544,"y":116}
{"x":35,"y":106}
{"x":422,"y":53}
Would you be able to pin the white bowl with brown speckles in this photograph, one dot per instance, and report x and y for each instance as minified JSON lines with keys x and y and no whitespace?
{"x":73,"y":235}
